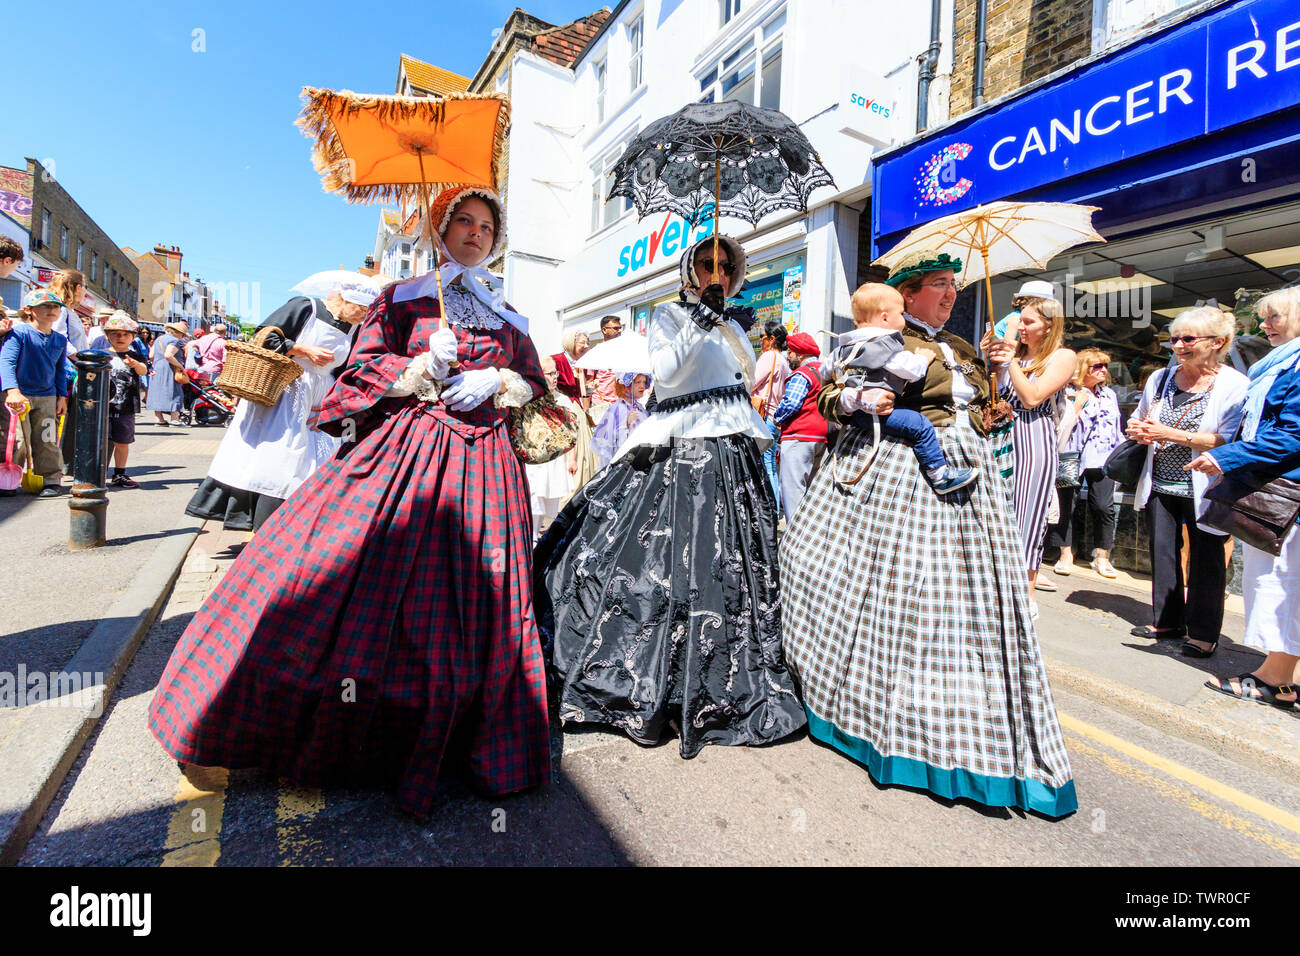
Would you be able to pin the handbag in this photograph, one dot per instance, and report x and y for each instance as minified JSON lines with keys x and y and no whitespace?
{"x":1259,"y":511}
{"x":1069,"y":469}
{"x":180,"y":378}
{"x":542,"y":430}
{"x":1126,"y":462}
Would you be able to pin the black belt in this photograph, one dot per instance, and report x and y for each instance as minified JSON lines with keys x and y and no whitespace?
{"x":719,"y":393}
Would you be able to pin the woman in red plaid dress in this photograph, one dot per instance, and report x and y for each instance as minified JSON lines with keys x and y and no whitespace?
{"x":383,"y":615}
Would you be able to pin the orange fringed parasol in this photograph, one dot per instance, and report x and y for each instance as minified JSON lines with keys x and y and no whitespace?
{"x":376,"y":148}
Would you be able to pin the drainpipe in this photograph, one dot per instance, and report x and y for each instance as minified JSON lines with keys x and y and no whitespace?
{"x":929,"y":63}
{"x":981,"y":49}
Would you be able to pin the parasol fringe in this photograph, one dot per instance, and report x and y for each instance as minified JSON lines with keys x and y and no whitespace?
{"x":330,"y":160}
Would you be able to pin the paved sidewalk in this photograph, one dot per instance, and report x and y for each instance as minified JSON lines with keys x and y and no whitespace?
{"x":1084,"y":635}
{"x":73,"y":619}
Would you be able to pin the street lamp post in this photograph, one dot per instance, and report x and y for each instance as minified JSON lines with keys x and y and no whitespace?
{"x":89,"y":502}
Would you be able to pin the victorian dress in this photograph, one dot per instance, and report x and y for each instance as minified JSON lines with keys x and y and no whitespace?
{"x":384,"y":610}
{"x":656,"y":586}
{"x":268,"y":452}
{"x":907,"y":620}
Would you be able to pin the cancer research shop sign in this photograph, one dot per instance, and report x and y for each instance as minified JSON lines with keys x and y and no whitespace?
{"x":1237,"y":63}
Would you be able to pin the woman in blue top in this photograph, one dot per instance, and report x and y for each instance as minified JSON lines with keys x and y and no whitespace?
{"x":1269,"y":446}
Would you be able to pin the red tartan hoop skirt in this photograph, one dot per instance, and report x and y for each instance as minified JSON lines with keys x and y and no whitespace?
{"x":386,"y":606}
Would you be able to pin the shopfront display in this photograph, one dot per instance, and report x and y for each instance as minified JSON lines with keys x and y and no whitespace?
{"x":1188,"y":142}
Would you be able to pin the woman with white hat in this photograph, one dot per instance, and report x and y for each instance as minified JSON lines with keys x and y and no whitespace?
{"x":268,"y":452}
{"x":380,"y":625}
{"x":166,"y":395}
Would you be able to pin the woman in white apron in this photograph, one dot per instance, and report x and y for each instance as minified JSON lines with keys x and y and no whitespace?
{"x":268,"y":452}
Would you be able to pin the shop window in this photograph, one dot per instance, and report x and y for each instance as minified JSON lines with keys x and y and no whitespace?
{"x":635,"y":38}
{"x":751,"y":72}
{"x":1122,"y":296}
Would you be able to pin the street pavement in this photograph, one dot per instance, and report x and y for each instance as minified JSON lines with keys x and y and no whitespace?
{"x":1167,"y":774}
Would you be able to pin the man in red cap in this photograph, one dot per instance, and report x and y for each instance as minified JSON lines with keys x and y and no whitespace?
{"x":803,"y":430}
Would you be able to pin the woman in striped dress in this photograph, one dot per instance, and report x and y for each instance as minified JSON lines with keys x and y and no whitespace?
{"x":905,"y":612}
{"x":1032,"y":376}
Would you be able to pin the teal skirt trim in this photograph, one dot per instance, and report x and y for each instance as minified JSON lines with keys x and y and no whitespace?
{"x":951,"y":784}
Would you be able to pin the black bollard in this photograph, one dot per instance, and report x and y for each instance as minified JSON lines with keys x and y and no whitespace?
{"x":89,"y":502}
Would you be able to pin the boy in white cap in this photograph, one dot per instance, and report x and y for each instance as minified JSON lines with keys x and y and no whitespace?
{"x":124,"y":394}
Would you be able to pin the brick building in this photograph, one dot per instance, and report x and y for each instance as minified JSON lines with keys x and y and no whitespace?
{"x":66,"y":236}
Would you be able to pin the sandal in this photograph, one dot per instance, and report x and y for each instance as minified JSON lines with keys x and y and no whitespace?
{"x":1265,"y":693}
{"x":1191,"y":650}
{"x":1158,"y":633}
{"x":1063,"y":569}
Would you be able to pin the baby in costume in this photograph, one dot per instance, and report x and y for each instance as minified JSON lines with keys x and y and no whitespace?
{"x":873,"y":355}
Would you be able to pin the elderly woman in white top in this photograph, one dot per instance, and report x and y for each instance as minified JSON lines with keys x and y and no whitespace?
{"x":656,"y":587}
{"x":1185,"y":411}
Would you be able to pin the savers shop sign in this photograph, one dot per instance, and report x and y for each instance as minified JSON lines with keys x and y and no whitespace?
{"x":666,"y":238}
{"x":1235,"y":64}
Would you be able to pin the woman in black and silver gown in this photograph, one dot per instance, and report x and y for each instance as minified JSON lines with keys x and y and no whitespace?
{"x":656,"y":587}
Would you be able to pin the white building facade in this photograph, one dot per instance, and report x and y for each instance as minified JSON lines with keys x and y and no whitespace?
{"x":845,"y":70}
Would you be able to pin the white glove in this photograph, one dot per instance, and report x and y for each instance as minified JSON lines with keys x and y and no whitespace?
{"x":442,"y":353}
{"x":471,"y":389}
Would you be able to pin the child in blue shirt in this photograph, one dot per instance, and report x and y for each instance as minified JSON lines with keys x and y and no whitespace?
{"x":34,"y":372}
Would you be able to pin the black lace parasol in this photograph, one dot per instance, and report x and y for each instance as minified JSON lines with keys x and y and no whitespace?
{"x":719,"y":159}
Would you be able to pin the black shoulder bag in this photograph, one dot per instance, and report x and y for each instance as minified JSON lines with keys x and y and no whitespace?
{"x":1259,"y":510}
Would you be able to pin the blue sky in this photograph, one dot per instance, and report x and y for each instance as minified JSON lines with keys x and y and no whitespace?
{"x":159,"y":143}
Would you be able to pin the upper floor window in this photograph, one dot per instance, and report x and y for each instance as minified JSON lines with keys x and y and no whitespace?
{"x":47,"y":226}
{"x":751,"y":73}
{"x":63,"y":243}
{"x":728,"y":10}
{"x":94,"y":266}
{"x":81,"y":254}
{"x":635,"y":37}
{"x":602,"y":72}
{"x":604,"y":213}
{"x":1115,"y":20}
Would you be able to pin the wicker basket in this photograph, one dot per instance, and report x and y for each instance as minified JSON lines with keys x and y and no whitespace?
{"x":257,"y":373}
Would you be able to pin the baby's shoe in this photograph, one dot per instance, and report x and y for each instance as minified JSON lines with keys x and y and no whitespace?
{"x":954,"y":478}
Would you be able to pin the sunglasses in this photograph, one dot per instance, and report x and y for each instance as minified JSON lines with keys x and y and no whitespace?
{"x":724,"y":267}
{"x":1099,"y":367}
{"x":1187,"y":339}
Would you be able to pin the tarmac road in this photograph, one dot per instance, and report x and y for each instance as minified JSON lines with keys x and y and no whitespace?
{"x":1146,"y":796}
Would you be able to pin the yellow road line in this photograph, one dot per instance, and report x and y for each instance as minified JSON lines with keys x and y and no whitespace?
{"x":1177,"y":794}
{"x":1211,"y":786}
{"x":294,"y":808}
{"x":194,"y":830}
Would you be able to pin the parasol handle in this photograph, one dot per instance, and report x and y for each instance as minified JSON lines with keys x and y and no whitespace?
{"x":717,"y":193}
{"x":988,"y":287}
{"x":433,"y":246}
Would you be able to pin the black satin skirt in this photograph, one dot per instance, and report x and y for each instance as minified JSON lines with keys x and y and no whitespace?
{"x":657,"y":597}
